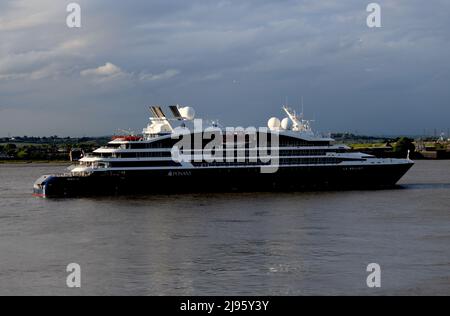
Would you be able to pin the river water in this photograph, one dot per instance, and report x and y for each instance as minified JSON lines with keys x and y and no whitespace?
{"x":228,"y":244}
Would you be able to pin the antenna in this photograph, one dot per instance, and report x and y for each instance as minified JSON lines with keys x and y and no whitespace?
{"x":303,"y":108}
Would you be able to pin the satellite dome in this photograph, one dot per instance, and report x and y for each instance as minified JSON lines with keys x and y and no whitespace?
{"x":187,"y":113}
{"x":274,"y":123}
{"x":286,"y":124}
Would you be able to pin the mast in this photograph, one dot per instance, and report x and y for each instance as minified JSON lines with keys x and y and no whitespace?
{"x":299,"y":123}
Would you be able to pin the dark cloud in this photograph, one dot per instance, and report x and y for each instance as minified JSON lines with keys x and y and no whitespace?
{"x":232,"y":60}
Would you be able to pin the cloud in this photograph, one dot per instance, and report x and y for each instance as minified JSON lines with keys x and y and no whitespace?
{"x":73,"y":45}
{"x":168,"y":74}
{"x":23,"y":23}
{"x":108,"y":70}
{"x":192,"y":51}
{"x":20,"y":15}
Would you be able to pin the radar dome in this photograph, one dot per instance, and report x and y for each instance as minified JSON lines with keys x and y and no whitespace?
{"x":187,"y":113}
{"x":274,"y":123}
{"x":286,"y":123}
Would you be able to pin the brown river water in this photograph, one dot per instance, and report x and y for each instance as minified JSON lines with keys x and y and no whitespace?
{"x":302,"y":243}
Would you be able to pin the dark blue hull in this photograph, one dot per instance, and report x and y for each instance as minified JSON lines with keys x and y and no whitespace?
{"x":222,"y":180}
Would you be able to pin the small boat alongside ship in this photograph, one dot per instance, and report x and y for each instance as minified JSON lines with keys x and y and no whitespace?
{"x":286,"y":156}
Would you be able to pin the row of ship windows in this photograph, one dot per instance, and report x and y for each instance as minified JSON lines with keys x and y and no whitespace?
{"x":247,"y":153}
{"x":158,"y":146}
{"x":171,"y":144}
{"x":303,"y":161}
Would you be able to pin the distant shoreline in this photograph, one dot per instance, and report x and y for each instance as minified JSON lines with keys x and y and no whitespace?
{"x":28,"y":162}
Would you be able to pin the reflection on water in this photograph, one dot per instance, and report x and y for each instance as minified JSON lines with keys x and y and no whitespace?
{"x":423,"y":186}
{"x":222,"y":244}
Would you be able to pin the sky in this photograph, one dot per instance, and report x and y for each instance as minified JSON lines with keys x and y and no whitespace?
{"x":236,"y":61}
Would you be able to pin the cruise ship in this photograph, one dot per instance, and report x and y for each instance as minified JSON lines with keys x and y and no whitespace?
{"x":179,"y":153}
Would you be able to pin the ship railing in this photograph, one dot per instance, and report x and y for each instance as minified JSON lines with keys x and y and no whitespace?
{"x":62,"y":174}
